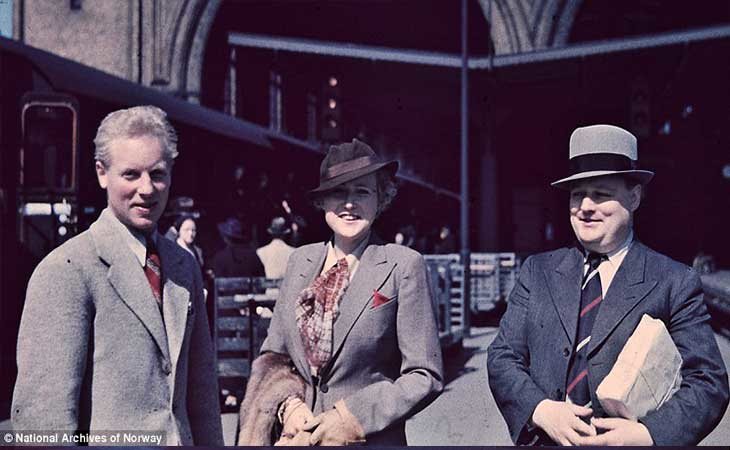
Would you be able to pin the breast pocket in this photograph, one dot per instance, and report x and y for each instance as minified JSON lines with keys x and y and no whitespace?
{"x":380,"y":321}
{"x":391,"y":302}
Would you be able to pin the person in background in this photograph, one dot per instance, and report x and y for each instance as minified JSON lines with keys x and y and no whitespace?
{"x":275,"y":254}
{"x":445,"y":241}
{"x":187,"y":229}
{"x":114,"y":334}
{"x":238,"y":258}
{"x":573,"y":309}
{"x":354,"y":325}
{"x":178,"y":207}
{"x":406,"y":236}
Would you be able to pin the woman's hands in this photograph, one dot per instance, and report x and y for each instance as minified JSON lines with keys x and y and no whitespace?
{"x":335,"y":427}
{"x":295,"y":415}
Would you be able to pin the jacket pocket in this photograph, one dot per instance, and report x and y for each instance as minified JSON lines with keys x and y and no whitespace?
{"x":391,"y":302}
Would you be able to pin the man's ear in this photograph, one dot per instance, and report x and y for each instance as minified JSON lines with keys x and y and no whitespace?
{"x":635,"y":197}
{"x":101,"y":174}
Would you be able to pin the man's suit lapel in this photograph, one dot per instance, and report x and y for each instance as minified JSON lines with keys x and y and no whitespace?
{"x":176,"y":295}
{"x":628,"y":288}
{"x":127,"y":277}
{"x":371,"y":273}
{"x":564,"y":285}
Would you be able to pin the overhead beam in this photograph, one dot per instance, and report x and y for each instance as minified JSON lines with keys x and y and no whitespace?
{"x":348,"y":50}
{"x":427,"y":58}
{"x":603,"y":47}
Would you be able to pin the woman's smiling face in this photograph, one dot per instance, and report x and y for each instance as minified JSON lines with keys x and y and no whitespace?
{"x":351,"y":208}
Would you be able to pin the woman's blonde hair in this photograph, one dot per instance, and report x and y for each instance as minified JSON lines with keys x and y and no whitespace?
{"x":387,"y":190}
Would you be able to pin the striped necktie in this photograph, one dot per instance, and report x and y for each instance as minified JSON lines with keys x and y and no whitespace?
{"x":590,"y":300}
{"x":153,"y":271}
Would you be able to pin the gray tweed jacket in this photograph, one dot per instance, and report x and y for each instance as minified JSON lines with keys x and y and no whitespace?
{"x":386,"y":361}
{"x":94,"y":352}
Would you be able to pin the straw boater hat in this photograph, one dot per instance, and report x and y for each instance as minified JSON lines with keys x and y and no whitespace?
{"x":600,"y":150}
{"x":348,"y":161}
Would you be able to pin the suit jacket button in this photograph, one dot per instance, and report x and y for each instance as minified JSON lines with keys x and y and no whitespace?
{"x":324,"y":388}
{"x":166,"y":368}
{"x":566,"y":352}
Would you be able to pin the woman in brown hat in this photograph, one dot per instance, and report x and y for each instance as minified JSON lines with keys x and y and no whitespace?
{"x":354,"y":323}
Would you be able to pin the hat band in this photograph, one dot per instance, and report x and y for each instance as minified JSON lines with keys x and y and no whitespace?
{"x":601,"y":161}
{"x":349,"y":166}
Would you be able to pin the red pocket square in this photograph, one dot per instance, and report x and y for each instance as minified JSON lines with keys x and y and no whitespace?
{"x":379,"y":299}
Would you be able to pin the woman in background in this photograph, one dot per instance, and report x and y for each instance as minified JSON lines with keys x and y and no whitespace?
{"x":187,"y":229}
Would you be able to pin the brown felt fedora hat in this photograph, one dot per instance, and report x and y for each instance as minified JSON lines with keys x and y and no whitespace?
{"x":348,"y":161}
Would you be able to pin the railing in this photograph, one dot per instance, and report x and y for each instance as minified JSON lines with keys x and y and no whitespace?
{"x":493,"y":275}
{"x":243,"y":308}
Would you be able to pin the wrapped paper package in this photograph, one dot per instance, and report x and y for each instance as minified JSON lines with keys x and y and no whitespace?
{"x":646,"y":374}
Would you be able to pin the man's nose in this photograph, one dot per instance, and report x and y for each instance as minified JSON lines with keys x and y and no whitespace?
{"x":587,"y":203}
{"x":145,"y":186}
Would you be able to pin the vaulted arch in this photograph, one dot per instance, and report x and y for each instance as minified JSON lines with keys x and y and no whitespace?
{"x":526,"y":25}
{"x":179,"y":31}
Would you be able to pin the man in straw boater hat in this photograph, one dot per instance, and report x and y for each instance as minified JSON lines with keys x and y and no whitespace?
{"x":573,"y":309}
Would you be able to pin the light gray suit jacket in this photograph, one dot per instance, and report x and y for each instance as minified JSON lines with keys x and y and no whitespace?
{"x":95,"y":354}
{"x":386,"y":361}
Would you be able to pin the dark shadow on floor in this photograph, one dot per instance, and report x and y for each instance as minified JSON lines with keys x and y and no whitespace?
{"x":489,"y":318}
{"x":457,"y":356}
{"x":455,"y":360}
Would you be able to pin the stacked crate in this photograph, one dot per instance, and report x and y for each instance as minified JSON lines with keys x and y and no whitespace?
{"x":509,"y":265}
{"x":241,"y":316}
{"x":450,"y":309}
{"x":493,"y":275}
{"x":485,"y":281}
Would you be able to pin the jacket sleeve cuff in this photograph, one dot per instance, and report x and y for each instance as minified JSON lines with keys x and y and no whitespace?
{"x":349,"y":420}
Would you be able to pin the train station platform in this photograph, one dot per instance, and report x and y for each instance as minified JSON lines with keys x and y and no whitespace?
{"x":465,"y":413}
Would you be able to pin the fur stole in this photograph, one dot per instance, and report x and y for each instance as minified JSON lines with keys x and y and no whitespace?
{"x":273,"y":379}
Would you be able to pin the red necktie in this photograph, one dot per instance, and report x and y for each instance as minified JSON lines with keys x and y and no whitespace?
{"x":153,"y":271}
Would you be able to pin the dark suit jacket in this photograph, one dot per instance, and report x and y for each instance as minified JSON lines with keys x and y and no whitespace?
{"x":386,"y":361}
{"x":528,"y":360}
{"x":94,"y":352}
{"x":237,"y":261}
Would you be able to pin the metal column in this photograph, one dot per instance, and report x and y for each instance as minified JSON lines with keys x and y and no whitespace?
{"x":465,"y":252}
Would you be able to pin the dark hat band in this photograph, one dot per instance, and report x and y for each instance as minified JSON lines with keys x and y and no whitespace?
{"x":349,"y":166}
{"x":601,"y":161}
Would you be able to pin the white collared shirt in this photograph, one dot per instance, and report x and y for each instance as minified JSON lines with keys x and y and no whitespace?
{"x":608,"y":268}
{"x":135,"y":240}
{"x":353,"y":259}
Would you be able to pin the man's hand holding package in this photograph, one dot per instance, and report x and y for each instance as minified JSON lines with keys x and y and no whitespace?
{"x":618,"y":431}
{"x":335,"y":427}
{"x":562,"y":421}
